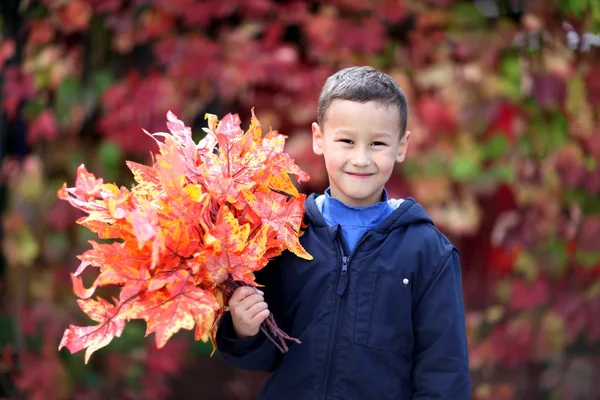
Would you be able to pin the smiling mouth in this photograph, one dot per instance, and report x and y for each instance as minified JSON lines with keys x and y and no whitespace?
{"x":359,"y":175}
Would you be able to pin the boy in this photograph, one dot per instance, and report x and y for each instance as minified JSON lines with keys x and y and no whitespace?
{"x":379,"y":310}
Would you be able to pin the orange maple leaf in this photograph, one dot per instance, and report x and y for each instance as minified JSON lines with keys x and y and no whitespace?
{"x":167,"y":311}
{"x":238,"y":263}
{"x":228,"y":234}
{"x":147,"y":179}
{"x":283,"y":216}
{"x":198,"y":223}
{"x":227,"y":174}
{"x":87,"y":189}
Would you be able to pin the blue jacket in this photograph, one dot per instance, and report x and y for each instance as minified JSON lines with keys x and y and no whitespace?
{"x":384,"y":322}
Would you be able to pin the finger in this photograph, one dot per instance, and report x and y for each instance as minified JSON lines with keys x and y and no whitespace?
{"x":245,"y":291}
{"x":258,"y":307}
{"x":260,"y":317}
{"x":250,"y":301}
{"x":241,"y":293}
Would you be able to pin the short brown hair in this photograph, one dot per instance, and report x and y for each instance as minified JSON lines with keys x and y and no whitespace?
{"x":363,"y":84}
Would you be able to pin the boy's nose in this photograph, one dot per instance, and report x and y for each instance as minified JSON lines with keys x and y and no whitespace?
{"x":361,"y":159}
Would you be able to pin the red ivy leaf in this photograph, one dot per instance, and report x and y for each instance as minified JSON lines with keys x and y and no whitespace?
{"x":528,"y":297}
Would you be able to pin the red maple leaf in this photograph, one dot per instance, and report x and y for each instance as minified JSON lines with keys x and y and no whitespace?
{"x":92,"y":338}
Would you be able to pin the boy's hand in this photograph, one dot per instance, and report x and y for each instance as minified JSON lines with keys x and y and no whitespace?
{"x":248,"y":310}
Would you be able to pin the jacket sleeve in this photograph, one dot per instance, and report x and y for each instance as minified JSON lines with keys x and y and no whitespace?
{"x":254,"y":353}
{"x":441,"y":369}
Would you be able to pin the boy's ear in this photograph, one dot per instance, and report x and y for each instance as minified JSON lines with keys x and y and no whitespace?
{"x":317,"y":137}
{"x":403,"y":147}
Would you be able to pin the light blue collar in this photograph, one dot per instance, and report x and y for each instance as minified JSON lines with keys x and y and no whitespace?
{"x":320,"y":200}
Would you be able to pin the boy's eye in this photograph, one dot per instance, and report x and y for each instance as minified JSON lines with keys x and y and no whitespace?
{"x":345,"y":141}
{"x":379,"y":144}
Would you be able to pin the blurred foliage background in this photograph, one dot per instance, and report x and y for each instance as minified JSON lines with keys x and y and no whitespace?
{"x":504,"y":100}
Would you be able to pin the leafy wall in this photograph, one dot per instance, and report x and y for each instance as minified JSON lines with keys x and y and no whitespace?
{"x":505,"y":111}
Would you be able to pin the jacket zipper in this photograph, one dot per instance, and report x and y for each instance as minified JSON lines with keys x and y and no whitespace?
{"x":340,"y":290}
{"x":343,"y":281}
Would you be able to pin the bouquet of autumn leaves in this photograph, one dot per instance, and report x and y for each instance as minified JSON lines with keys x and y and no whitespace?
{"x":195,"y":226}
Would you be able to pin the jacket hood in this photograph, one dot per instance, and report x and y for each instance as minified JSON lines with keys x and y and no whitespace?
{"x":407,"y":212}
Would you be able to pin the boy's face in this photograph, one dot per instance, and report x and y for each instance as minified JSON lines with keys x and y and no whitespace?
{"x":360,"y":143}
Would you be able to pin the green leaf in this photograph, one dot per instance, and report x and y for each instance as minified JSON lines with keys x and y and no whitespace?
{"x":56,"y":244}
{"x":553,"y":250}
{"x":42,"y":78}
{"x":588,"y":259}
{"x":526,"y":264}
{"x":466,"y":16}
{"x":511,"y":75}
{"x":26,"y":248}
{"x":432,"y":164}
{"x":111,"y":157}
{"x":435,"y":165}
{"x":133,"y":374}
{"x":75,"y":160}
{"x":100,"y":81}
{"x":576,"y":7}
{"x":503,"y":290}
{"x":494,"y":148}
{"x":202,"y":349}
{"x":504,"y":173}
{"x":576,"y":94}
{"x":547,"y":133}
{"x":84,"y":235}
{"x":591,"y":163}
{"x":132,"y":337}
{"x":588,"y":204}
{"x":7,"y":331}
{"x":68,"y":94}
{"x":37,"y":11}
{"x":596,"y":16}
{"x":86,"y":376}
{"x":524,"y":146}
{"x":465,"y":167}
{"x":32,"y":109}
{"x":559,"y":128}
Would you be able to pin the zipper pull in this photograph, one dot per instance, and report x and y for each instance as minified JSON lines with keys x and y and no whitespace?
{"x":343,"y":282}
